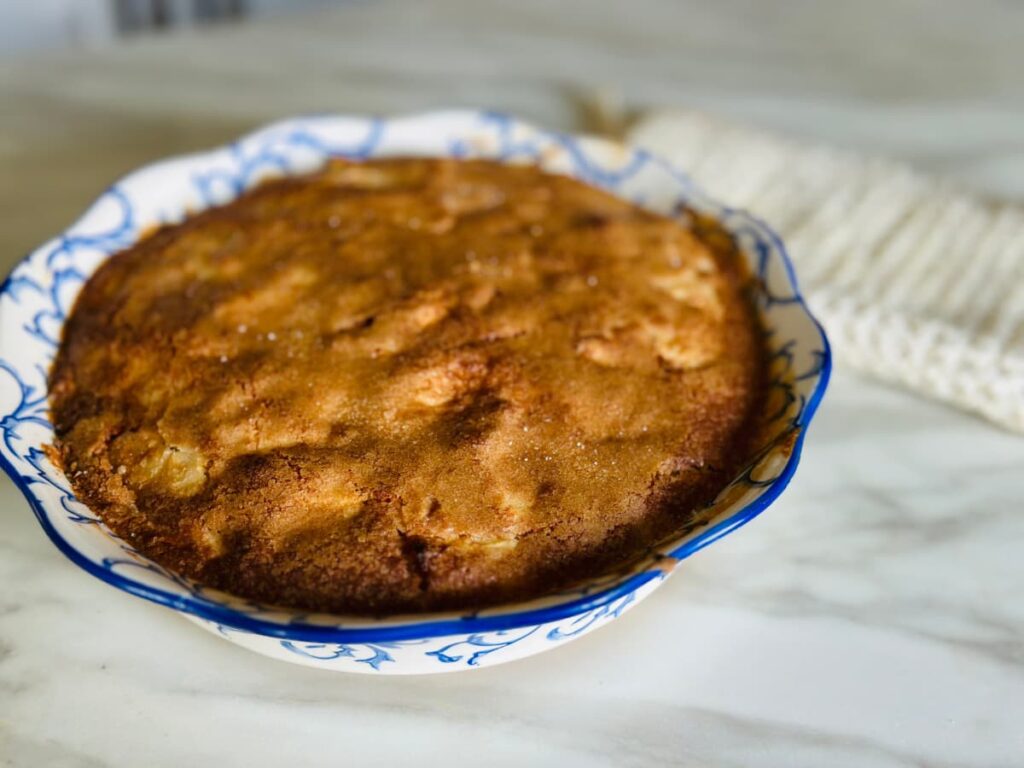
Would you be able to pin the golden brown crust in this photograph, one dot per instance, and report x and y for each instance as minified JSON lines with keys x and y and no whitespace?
{"x":407,"y":385}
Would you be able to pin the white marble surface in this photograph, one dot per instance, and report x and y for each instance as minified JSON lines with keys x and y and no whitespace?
{"x":872,"y":617}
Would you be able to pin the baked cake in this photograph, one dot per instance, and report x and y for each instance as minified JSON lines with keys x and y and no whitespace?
{"x":409,"y":384}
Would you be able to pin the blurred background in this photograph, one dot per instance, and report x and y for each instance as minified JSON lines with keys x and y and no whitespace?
{"x":56,"y":24}
{"x":933,"y":82}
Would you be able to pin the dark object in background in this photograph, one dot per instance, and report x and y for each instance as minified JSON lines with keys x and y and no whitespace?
{"x":131,"y":16}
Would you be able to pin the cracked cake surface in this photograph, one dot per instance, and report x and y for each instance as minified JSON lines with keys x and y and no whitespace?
{"x":408,"y":384}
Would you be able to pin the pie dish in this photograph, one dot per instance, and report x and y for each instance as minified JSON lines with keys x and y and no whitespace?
{"x":38,"y":296}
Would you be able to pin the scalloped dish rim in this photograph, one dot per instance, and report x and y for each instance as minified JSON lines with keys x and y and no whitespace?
{"x":514,"y":140}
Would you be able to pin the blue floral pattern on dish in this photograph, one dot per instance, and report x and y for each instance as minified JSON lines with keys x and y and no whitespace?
{"x":38,"y":294}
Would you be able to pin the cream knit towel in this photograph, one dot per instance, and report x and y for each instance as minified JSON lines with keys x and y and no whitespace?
{"x":916,"y":282}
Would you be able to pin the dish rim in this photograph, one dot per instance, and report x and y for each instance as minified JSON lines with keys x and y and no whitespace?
{"x":441,"y":624}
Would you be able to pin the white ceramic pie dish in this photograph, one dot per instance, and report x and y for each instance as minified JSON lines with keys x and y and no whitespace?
{"x":40,"y":291}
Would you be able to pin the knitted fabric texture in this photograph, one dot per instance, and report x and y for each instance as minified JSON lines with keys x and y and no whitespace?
{"x":916,"y":282}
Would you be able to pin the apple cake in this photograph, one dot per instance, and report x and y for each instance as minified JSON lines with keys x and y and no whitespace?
{"x":409,"y":384}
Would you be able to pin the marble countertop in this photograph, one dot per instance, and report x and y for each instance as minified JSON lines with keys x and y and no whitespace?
{"x":871,"y":617}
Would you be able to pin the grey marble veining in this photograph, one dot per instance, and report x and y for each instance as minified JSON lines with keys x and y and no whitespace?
{"x":871,"y":617}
